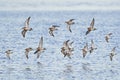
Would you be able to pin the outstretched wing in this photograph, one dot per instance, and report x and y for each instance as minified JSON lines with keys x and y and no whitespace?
{"x":41,"y":42}
{"x":27,"y":22}
{"x":111,"y":58}
{"x":113,"y":49}
{"x":68,"y":26}
{"x":92,"y":23}
{"x":23,"y":33}
{"x":51,"y":33}
{"x":55,"y":26}
{"x":71,"y":19}
{"x":87,"y":32}
{"x":26,"y":54}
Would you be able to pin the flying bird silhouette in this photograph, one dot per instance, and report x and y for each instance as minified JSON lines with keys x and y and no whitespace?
{"x":69,"y":23}
{"x":53,"y":28}
{"x":40,"y":48}
{"x":91,"y":28}
{"x":26,"y":27}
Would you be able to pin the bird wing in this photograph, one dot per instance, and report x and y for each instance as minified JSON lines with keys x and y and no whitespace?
{"x":41,"y":42}
{"x":55,"y":26}
{"x":71,"y":19}
{"x":111,"y":57}
{"x":51,"y":32}
{"x":26,"y":54}
{"x":68,"y":26}
{"x":87,"y":32}
{"x":92,"y":23}
{"x":27,"y":22}
{"x":113,"y":49}
{"x":23,"y":33}
{"x":106,"y":38}
{"x":8,"y":55}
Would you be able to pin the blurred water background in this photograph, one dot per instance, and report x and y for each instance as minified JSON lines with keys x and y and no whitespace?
{"x":53,"y":66}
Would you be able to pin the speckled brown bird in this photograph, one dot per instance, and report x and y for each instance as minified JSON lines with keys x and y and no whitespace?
{"x":69,"y":23}
{"x":27,"y":50}
{"x":107,"y":37}
{"x":91,"y":28}
{"x":26,"y":27}
{"x":53,"y":28}
{"x":92,"y":47}
{"x":8,"y":52}
{"x":67,"y":49}
{"x":112,"y":54}
{"x":40,"y":48}
{"x":85,"y":50}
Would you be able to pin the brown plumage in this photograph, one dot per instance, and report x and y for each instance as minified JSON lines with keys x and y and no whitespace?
{"x":67,"y":49}
{"x":92,"y":47}
{"x":40,"y":48}
{"x":53,"y":28}
{"x":107,"y":37}
{"x":69,"y":23}
{"x":26,"y":27}
{"x":27,"y":50}
{"x":112,"y":54}
{"x":8,"y":52}
{"x":85,"y":50}
{"x":91,"y":28}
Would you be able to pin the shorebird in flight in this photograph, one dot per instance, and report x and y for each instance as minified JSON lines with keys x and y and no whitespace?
{"x":27,"y":50}
{"x":107,"y":37}
{"x":112,"y":54}
{"x":85,"y":50}
{"x":69,"y":23}
{"x":8,"y":52}
{"x":91,"y":28}
{"x":26,"y":27}
{"x":53,"y":28}
{"x":40,"y":48}
{"x":92,"y":47}
{"x":67,"y":49}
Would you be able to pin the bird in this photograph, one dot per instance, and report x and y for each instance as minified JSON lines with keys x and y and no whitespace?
{"x":112,"y":53}
{"x":91,"y":28}
{"x":67,"y":49}
{"x":53,"y":28}
{"x":92,"y":47}
{"x":85,"y":50}
{"x":8,"y":52}
{"x":40,"y":48}
{"x":69,"y":23}
{"x":107,"y":37}
{"x":27,"y":50}
{"x":26,"y":27}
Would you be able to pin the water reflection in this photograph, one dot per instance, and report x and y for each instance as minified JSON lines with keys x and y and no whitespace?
{"x":68,"y":73}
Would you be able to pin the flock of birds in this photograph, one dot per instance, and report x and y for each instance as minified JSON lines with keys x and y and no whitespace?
{"x":67,"y":48}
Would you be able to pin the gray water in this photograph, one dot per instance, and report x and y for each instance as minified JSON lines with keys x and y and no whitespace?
{"x":53,"y":65}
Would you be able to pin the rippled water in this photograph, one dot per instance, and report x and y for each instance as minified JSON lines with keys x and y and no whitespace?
{"x":53,"y":66}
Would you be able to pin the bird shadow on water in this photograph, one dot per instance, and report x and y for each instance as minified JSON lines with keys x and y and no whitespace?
{"x":67,"y":73}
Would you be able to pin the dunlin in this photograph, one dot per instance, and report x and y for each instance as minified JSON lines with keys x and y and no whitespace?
{"x":40,"y":48}
{"x":91,"y":28}
{"x":8,"y":52}
{"x":92,"y":47}
{"x":112,"y":53}
{"x":107,"y":37}
{"x":67,"y":49}
{"x":26,"y":27}
{"x":69,"y":23}
{"x":53,"y":28}
{"x":85,"y":50}
{"x":27,"y":50}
